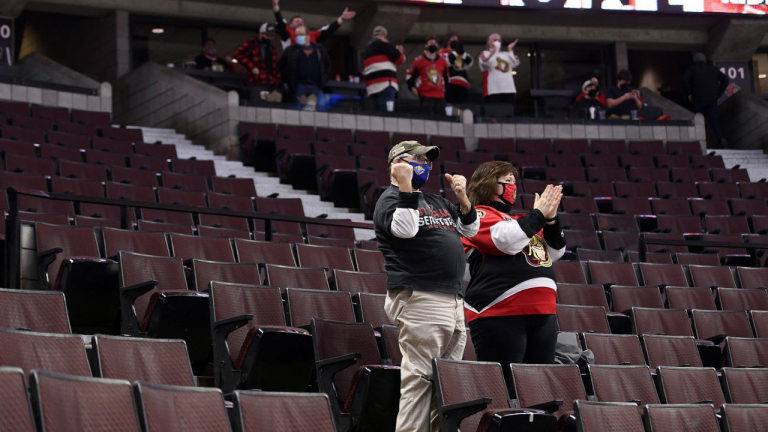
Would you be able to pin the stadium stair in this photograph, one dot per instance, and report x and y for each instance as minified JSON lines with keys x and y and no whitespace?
{"x":754,"y":161}
{"x":266,"y":183}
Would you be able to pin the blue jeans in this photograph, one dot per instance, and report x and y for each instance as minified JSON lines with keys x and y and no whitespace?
{"x":389,"y":94}
{"x":308,"y":89}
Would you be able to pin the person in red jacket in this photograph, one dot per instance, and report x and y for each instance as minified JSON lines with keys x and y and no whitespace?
{"x":287,"y":33}
{"x":510,"y":302}
{"x":426,"y":77}
{"x":259,"y":56}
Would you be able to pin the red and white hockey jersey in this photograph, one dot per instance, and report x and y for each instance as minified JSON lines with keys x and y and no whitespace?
{"x":497,"y":65}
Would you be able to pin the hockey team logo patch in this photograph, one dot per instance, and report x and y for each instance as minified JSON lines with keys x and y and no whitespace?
{"x":434,"y":76}
{"x":502,"y":65}
{"x":536,"y":253}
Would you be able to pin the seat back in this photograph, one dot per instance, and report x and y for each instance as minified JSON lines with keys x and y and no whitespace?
{"x":581,"y":295}
{"x":190,"y":182}
{"x":181,"y":198}
{"x":233,"y":186}
{"x":743,"y":299}
{"x":753,"y":277}
{"x":371,"y":309}
{"x":614,"y":350}
{"x":673,"y":322}
{"x":332,"y":258}
{"x":670,"y":418}
{"x":744,"y":417}
{"x":303,"y":305}
{"x":613,"y":273}
{"x":582,"y":319}
{"x":623,"y":384}
{"x":682,"y":385}
{"x":712,"y":277}
{"x":607,"y":416}
{"x":745,"y":386}
{"x":137,"y":268}
{"x":359,"y":282}
{"x":663,"y":275}
{"x":671,"y":351}
{"x":148,"y":243}
{"x":158,"y":361}
{"x":15,"y":410}
{"x":369,"y":261}
{"x":713,"y":323}
{"x":191,"y":407}
{"x":535,"y":384}
{"x":205,"y":248}
{"x":264,"y":252}
{"x":627,"y":297}
{"x":690,"y":298}
{"x":75,"y":242}
{"x":211,"y":271}
{"x":283,"y":412}
{"x":77,"y":187}
{"x":569,"y":272}
{"x":38,"y":311}
{"x":290,"y":277}
{"x":61,"y":353}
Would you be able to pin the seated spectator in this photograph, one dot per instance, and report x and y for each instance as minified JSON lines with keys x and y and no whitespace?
{"x":287,"y":30}
{"x":305,"y":67}
{"x":426,"y":77}
{"x":207,"y":60}
{"x":600,"y":95}
{"x":259,"y":56}
{"x":459,"y":61}
{"x":497,"y":65}
{"x":380,"y":61}
{"x":588,"y":98}
{"x":622,"y":99}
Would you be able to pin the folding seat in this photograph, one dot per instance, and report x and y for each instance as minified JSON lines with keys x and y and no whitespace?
{"x":648,"y":175}
{"x":66,"y":185}
{"x":564,"y":160}
{"x":723,"y":251}
{"x":370,"y":184}
{"x":535,"y":388}
{"x":147,"y":243}
{"x":129,"y":192}
{"x":206,"y":272}
{"x":743,"y":417}
{"x":331,"y":258}
{"x":707,"y":161}
{"x":233,"y":186}
{"x":636,"y":161}
{"x":40,"y":205}
{"x":653,"y":258}
{"x":676,"y":417}
{"x":711,"y":277}
{"x":59,"y":153}
{"x":282,"y":412}
{"x":613,"y":274}
{"x":21,"y":134}
{"x":580,"y":189}
{"x":30,"y":165}
{"x":104,"y":158}
{"x":204,"y":248}
{"x":538,"y":186}
{"x":37,"y":311}
{"x":743,"y":299}
{"x":187,"y":182}
{"x":91,"y":117}
{"x":201,"y":408}
{"x":622,"y":223}
{"x":569,"y":272}
{"x":155,"y":361}
{"x":659,"y":275}
{"x":133,"y":176}
{"x":646,"y":147}
{"x":376,"y":163}
{"x":759,"y":240}
{"x":230,"y":202}
{"x":480,"y":389}
{"x":664,"y":248}
{"x":62,"y":403}
{"x":581,"y":295}
{"x":229,"y":222}
{"x":277,"y":237}
{"x":670,"y":322}
{"x":690,"y":298}
{"x":746,"y":352}
{"x":150,"y":226}
{"x":678,"y":224}
{"x":156,"y":150}
{"x":581,"y":222}
{"x":103,"y":211}
{"x":360,"y":282}
{"x":627,"y":297}
{"x":456,"y":168}
{"x":14,"y":108}
{"x":615,"y":350}
{"x":53,"y":352}
{"x":283,"y":206}
{"x":601,"y":161}
{"x":264,"y":253}
{"x":608,"y":175}
{"x":134,"y":135}
{"x":50,"y":113}
{"x":745,"y":386}
{"x":669,"y":190}
{"x":579,"y":205}
{"x":193,"y":167}
{"x":291,"y":277}
{"x":369,"y":261}
{"x":582,"y":319}
{"x":368,"y":151}
{"x":370,"y":309}
{"x":690,"y":385}
{"x":16,"y":414}
{"x":635,"y":190}
{"x":632,"y":206}
{"x":167,"y":217}
{"x":19,"y":148}
{"x":576,"y":146}
{"x":69,"y":140}
{"x":716,"y":325}
{"x":749,"y":208}
{"x":148,"y":163}
{"x":77,"y":129}
{"x":292,"y":157}
{"x":709,"y":190}
{"x":305,"y":304}
{"x":686,"y":148}
{"x":343,"y":136}
{"x":565,"y":174}
{"x":521,"y":161}
{"x":603,"y":416}
{"x":95,"y":222}
{"x":474,"y":157}
{"x":619,"y":241}
{"x":496,"y":145}
{"x":753,"y":190}
{"x":613,"y":383}
{"x":689,"y":175}
{"x":662,"y":350}
{"x":610,"y":255}
{"x":752,"y":277}
{"x":181,"y":198}
{"x":349,"y":370}
{"x":155,"y":302}
{"x":533,"y":146}
{"x":732,"y":175}
{"x":672,"y":161}
{"x":114,"y":146}
{"x":82,"y":171}
{"x":372,"y":138}
{"x":206,"y":231}
{"x":256,"y":142}
{"x":712,"y":207}
{"x":609,"y":147}
{"x":331,"y":232}
{"x":672,"y":207}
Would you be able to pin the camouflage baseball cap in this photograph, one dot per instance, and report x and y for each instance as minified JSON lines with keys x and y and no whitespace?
{"x":413,"y":148}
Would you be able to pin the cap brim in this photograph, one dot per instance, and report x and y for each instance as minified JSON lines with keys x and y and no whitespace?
{"x":432,"y":152}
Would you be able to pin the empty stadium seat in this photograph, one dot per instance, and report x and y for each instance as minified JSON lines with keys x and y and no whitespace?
{"x":147,"y":243}
{"x":689,"y":385}
{"x":669,"y":418}
{"x":290,"y":277}
{"x":370,"y":309}
{"x":205,"y":248}
{"x":581,"y":295}
{"x":690,"y":298}
{"x":716,"y":325}
{"x":745,"y":386}
{"x":613,"y":273}
{"x":189,"y":182}
{"x":743,"y":417}
{"x":330,"y":258}
{"x":264,"y":252}
{"x":38,"y":311}
{"x":746,"y":352}
{"x":569,"y":272}
{"x":206,"y":231}
{"x":664,"y":350}
{"x":192,"y":408}
{"x":622,"y":223}
{"x":206,"y":272}
{"x":623,"y":384}
{"x":712,"y":277}
{"x":282,"y":412}
{"x":614,"y":350}
{"x":581,"y":239}
{"x":155,"y":361}
{"x":534,"y":387}
{"x":661,"y":275}
{"x":582,"y":319}
{"x":601,"y":255}
{"x":699,"y":259}
{"x":303,"y":305}
{"x":193,"y":167}
{"x":672,"y":207}
{"x":635,"y":190}
{"x":627,"y":297}
{"x":148,"y":163}
{"x":360,"y":282}
{"x":15,"y":413}
{"x":672,"y":322}
{"x":133,"y":176}
{"x":53,"y":352}
{"x":743,"y":299}
{"x":603,"y":416}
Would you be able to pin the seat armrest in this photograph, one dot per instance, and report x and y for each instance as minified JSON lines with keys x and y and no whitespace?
{"x":326,"y":370}
{"x":453,"y":414}
{"x":129,"y":322}
{"x":550,"y":407}
{"x":717,"y":339}
{"x":226,"y":326}
{"x":44,"y":260}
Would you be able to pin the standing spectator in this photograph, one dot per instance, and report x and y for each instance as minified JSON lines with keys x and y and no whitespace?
{"x":622,"y":98}
{"x":207,"y":60}
{"x":459,"y":61}
{"x":600,"y":96}
{"x":511,"y":299}
{"x":426,"y":79}
{"x":287,"y":30}
{"x":704,"y":84}
{"x":305,"y":67}
{"x":588,"y":98}
{"x":420,"y":237}
{"x":497,"y":66}
{"x":259,"y":56}
{"x":380,"y":61}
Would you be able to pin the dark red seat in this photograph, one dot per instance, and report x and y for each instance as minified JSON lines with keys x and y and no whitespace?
{"x":580,"y":189}
{"x":671,"y":322}
{"x":188,"y":182}
{"x":582,"y":319}
{"x":110,"y":145}
{"x":264,"y":252}
{"x":669,"y":190}
{"x":134,"y":135}
{"x":30,"y":165}
{"x":159,"y":151}
{"x":660,"y":275}
{"x":710,"y":190}
{"x":569,"y":272}
{"x":207,"y":272}
{"x":233,"y":186}
{"x":608,"y":175}
{"x":671,"y":351}
{"x":564,"y":160}
{"x":148,"y":163}
{"x":359,"y":282}
{"x":618,"y":241}
{"x":16,"y":413}
{"x":60,"y":153}
{"x":304,"y":305}
{"x":202,"y":407}
{"x":601,"y":161}
{"x":636,"y":161}
{"x":711,"y":277}
{"x":147,"y":243}
{"x":292,"y":277}
{"x":131,"y":176}
{"x":632,"y":206}
{"x":715,"y":325}
{"x":629,"y":380}
{"x":273,"y":411}
{"x":193,"y":167}
{"x":38,"y":311}
{"x":581,"y":295}
{"x":104,"y":158}
{"x":181,"y":198}
{"x":535,"y":384}
{"x":623,"y":223}
{"x":601,"y":416}
{"x":689,"y":175}
{"x":77,"y":187}
{"x":52,"y":352}
{"x":205,"y":248}
{"x":130,"y":192}
{"x":635,"y":190}
{"x":672,"y":161}
{"x":669,"y":418}
{"x":672,"y":207}
{"x":91,"y":117}
{"x":753,"y":190}
{"x":689,"y":385}
{"x":730,"y":175}
{"x":579,"y":205}
{"x":646,"y":147}
{"x":154,"y":361}
{"x":151,"y":226}
{"x":679,"y":224}
{"x":648,"y":175}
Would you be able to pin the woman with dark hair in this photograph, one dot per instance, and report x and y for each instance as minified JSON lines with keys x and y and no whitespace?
{"x":510,"y":302}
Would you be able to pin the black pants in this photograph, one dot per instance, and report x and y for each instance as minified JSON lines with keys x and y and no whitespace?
{"x":500,"y":98}
{"x":432,"y":105}
{"x":455,"y":93}
{"x":515,"y":339}
{"x":710,"y":113}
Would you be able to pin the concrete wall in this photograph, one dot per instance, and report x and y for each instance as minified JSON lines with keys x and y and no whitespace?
{"x":744,"y":119}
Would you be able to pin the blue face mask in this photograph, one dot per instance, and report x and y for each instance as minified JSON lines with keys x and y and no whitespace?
{"x":301,"y":40}
{"x":420,"y":174}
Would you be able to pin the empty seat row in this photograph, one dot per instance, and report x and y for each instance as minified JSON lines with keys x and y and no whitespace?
{"x":16,"y":110}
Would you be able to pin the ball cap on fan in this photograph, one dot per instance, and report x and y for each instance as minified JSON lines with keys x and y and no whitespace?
{"x":413,"y":148}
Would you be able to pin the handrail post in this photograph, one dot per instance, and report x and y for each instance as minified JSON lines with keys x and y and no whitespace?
{"x":641,"y":248}
{"x":124,"y":221}
{"x":13,"y":242}
{"x":268,"y":229}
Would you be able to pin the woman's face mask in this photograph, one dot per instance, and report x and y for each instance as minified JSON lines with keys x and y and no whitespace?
{"x":508,"y":193}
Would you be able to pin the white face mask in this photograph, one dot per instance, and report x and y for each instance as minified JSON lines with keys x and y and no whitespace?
{"x":497,"y":44}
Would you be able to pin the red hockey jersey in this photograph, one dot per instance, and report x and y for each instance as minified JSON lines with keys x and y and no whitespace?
{"x":428,"y":76}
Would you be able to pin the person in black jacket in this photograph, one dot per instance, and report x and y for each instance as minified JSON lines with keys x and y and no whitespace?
{"x":380,"y":61}
{"x":704,"y":83}
{"x":305,"y":67}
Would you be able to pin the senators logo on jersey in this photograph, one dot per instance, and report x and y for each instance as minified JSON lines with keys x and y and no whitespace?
{"x":536,"y":253}
{"x":434,"y":76}
{"x":502,"y":65}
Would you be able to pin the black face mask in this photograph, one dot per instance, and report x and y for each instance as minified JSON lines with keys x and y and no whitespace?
{"x":624,"y":87}
{"x":432,"y":49}
{"x":454,"y":44}
{"x":592,"y":93}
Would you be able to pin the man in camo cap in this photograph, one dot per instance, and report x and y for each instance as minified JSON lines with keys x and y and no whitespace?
{"x":419,"y":235}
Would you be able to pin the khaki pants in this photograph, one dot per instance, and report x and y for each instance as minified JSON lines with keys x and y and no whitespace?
{"x":431,"y":325}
